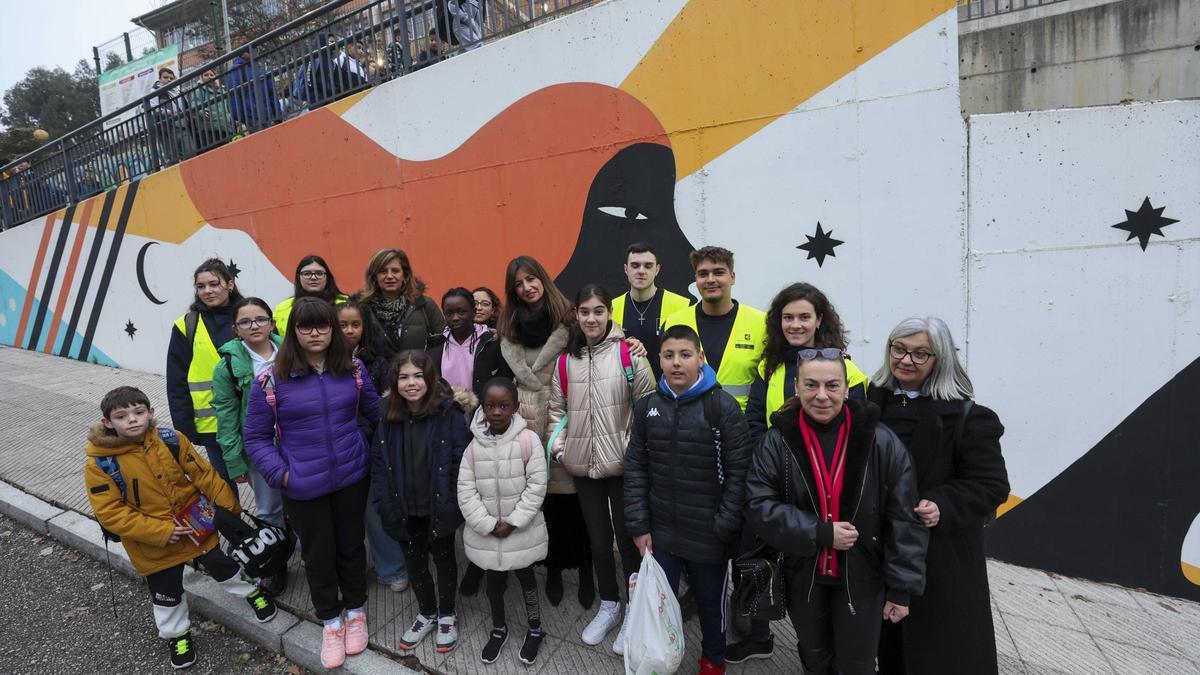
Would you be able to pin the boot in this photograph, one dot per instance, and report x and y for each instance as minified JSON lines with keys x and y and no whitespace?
{"x":554,"y":587}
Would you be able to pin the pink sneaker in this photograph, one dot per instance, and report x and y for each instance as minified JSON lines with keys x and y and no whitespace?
{"x":356,"y":634}
{"x":333,"y":647}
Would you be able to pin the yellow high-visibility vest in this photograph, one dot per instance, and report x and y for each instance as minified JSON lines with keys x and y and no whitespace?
{"x":775,"y":398}
{"x":743,"y":351}
{"x":283,"y":311}
{"x":200,"y":373}
{"x":671,"y":303}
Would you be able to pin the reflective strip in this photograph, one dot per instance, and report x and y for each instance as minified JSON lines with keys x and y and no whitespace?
{"x":200,"y":386}
{"x":736,"y":390}
{"x":207,"y":412}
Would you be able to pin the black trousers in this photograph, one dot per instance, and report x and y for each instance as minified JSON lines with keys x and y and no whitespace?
{"x":417,"y":551}
{"x":331,"y":530}
{"x":166,"y":586}
{"x":498,"y":581}
{"x":602,"y":501}
{"x":831,"y":639}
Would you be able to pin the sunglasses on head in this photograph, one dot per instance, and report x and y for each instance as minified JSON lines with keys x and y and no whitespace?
{"x":829,"y":353}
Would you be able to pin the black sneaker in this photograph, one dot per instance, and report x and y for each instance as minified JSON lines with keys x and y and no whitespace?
{"x":529,"y":650}
{"x":749,"y":649}
{"x":264,"y":607}
{"x":491,"y":651}
{"x":183,"y":652}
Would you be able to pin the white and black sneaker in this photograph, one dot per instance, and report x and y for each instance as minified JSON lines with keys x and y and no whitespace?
{"x":183,"y":652}
{"x":421,"y":626}
{"x":533,"y":641}
{"x":491,"y":651}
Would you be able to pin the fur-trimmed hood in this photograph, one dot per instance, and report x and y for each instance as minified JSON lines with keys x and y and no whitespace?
{"x":537,"y":377}
{"x":104,"y":442}
{"x":466,"y":399}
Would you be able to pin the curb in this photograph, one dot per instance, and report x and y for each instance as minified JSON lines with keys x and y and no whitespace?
{"x":297,"y":639}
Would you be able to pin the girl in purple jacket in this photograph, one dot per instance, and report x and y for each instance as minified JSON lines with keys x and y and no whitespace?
{"x":302,"y":433}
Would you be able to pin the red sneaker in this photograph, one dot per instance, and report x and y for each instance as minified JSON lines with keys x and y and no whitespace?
{"x":709,"y":668}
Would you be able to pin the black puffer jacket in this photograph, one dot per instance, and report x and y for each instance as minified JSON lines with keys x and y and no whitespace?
{"x":489,"y":362}
{"x":672,"y":489}
{"x":446,"y":438}
{"x":879,"y":496}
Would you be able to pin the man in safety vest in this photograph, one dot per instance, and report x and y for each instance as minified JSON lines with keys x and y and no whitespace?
{"x":641,"y":311}
{"x":732,"y":335}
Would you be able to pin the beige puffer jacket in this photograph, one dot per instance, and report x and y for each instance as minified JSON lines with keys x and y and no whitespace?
{"x":532,"y":369}
{"x":496,"y":483}
{"x":600,"y":402}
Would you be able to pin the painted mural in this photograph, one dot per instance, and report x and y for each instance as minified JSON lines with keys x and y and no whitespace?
{"x":821,"y":141}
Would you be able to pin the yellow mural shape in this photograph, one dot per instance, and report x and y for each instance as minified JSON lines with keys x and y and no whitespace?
{"x":162,"y":194}
{"x":1191,"y":572}
{"x":1009,"y":504}
{"x":717,"y":76}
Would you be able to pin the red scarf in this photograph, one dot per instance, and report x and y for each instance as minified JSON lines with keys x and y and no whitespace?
{"x":829,"y":484}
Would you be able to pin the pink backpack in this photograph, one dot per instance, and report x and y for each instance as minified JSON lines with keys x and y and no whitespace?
{"x":626,"y":368}
{"x":524,"y":438}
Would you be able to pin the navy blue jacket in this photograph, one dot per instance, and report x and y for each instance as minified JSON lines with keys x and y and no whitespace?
{"x":446,"y":438}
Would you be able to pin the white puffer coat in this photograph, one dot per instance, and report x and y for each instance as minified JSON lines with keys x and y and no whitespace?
{"x":600,"y":402}
{"x":496,"y":483}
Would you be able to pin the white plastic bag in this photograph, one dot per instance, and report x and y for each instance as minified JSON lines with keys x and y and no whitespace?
{"x":654,"y":634}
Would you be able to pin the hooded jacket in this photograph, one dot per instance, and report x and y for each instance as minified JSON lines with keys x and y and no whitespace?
{"x":675,"y":488}
{"x":496,"y":483}
{"x":446,"y":438}
{"x":322,"y":447}
{"x":232,"y":379}
{"x":532,"y":368}
{"x":600,"y":401}
{"x":879,"y":497}
{"x":218,"y":321}
{"x":157,"y":488}
{"x":489,"y":362}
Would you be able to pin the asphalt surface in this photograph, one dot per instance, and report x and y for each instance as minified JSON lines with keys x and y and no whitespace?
{"x":56,"y":616}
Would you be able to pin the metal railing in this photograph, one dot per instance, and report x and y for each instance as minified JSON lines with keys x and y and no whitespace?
{"x":326,"y":54}
{"x":977,"y":9}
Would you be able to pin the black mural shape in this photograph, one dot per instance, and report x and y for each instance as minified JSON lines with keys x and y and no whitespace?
{"x":632,"y":199}
{"x":234,"y":270}
{"x":1119,"y":513}
{"x":1144,"y":222}
{"x":130,"y":329}
{"x":820,"y":245}
{"x":141,"y":274}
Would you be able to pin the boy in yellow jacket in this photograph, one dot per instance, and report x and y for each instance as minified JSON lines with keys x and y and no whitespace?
{"x":138,"y":479}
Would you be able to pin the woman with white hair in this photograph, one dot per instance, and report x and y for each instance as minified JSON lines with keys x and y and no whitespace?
{"x":926,"y":398}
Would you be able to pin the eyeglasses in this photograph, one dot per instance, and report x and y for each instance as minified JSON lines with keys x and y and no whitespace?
{"x":918,"y":357}
{"x":310,"y":330}
{"x":313,"y":274}
{"x":831,"y":353}
{"x":253,"y":323}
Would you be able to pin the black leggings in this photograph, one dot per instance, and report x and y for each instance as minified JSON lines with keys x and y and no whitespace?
{"x":830,"y":638}
{"x":417,"y":551}
{"x":602,"y":502}
{"x":498,"y":581}
{"x":331,"y":530}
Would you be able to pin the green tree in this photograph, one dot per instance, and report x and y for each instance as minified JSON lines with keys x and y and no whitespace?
{"x":54,"y":100}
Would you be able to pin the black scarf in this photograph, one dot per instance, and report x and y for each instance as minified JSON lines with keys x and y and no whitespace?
{"x":391,"y":313}
{"x":534,"y":326}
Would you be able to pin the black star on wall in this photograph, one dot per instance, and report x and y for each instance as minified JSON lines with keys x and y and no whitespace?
{"x":233,"y":269}
{"x":820,"y":245}
{"x":130,"y":329}
{"x":1144,"y":222}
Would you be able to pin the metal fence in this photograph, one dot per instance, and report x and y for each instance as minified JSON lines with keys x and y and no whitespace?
{"x":324,"y":55}
{"x":977,"y":9}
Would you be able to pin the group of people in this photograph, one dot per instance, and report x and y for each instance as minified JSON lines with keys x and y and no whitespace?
{"x":552,"y":431}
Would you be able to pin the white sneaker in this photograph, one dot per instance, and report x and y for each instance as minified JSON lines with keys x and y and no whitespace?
{"x":421,"y":627}
{"x":618,"y":646}
{"x":607,"y":618}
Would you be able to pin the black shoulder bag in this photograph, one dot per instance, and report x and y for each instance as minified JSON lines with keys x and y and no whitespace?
{"x":762,"y":593}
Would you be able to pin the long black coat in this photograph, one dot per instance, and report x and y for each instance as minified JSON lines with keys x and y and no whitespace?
{"x":878,"y":499}
{"x":672,"y":490}
{"x":949,"y":628}
{"x":446,"y":438}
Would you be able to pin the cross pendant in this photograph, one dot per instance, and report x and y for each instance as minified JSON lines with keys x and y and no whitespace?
{"x":641,"y":320}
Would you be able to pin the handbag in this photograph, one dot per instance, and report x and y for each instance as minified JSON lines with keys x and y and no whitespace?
{"x":762,"y":593}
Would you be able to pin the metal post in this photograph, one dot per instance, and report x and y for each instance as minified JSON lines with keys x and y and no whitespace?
{"x":256,"y":121}
{"x":96,"y":55}
{"x":216,"y":24}
{"x":128,"y":48}
{"x":225,"y":14}
{"x":402,"y":39}
{"x":5,"y":220}
{"x":68,"y":171}
{"x":151,"y":135}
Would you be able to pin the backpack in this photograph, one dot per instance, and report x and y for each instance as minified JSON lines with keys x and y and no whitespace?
{"x":112,"y":468}
{"x":627,"y":369}
{"x":526,"y":450}
{"x":266,"y":380}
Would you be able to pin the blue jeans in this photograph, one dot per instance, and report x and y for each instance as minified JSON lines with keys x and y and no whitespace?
{"x":268,"y":502}
{"x":387,"y":553}
{"x":709,"y":582}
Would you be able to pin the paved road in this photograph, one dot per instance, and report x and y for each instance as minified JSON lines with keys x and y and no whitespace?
{"x":57,"y":617}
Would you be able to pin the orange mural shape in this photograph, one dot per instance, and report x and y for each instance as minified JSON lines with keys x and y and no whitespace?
{"x":516,"y":186}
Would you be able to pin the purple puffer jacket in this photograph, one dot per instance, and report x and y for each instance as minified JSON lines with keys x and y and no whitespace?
{"x":323,"y":447}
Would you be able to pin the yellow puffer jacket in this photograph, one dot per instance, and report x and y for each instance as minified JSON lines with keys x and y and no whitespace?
{"x":600,"y":405}
{"x":157,"y":487}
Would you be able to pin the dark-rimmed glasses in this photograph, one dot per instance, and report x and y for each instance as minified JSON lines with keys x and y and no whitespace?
{"x":918,"y":357}
{"x":253,"y":322}
{"x":830,"y":353}
{"x":310,"y":330}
